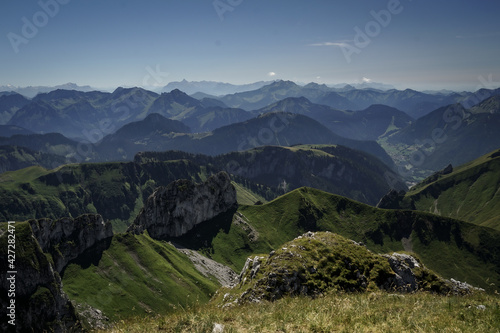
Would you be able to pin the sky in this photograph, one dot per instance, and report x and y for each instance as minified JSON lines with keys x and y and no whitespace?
{"x":419,"y":44}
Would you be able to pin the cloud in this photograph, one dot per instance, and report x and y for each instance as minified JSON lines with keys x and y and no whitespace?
{"x":366,"y":80}
{"x":271,"y":74}
{"x":339,"y":44}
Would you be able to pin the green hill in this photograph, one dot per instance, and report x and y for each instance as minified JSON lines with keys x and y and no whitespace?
{"x":470,"y":193}
{"x":124,"y":276}
{"x":136,"y":276}
{"x":451,"y":248}
{"x":316,"y":263}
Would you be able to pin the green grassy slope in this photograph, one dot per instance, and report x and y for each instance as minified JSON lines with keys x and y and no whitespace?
{"x":245,"y":196}
{"x":470,"y":193}
{"x":136,"y":276}
{"x":452,"y":248}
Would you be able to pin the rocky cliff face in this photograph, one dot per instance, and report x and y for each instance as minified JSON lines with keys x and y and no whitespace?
{"x":67,"y":238}
{"x":41,"y":304}
{"x":173,"y":210}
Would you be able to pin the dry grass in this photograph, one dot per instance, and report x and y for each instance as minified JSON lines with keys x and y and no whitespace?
{"x":375,"y":312}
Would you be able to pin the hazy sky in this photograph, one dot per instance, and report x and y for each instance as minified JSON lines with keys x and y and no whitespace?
{"x":422,"y":44}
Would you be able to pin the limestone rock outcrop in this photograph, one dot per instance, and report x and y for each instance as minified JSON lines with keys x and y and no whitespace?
{"x":40,"y":302}
{"x":173,"y":210}
{"x":67,"y":238}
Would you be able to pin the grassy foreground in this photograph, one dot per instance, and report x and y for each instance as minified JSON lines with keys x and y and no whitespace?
{"x":344,"y":312}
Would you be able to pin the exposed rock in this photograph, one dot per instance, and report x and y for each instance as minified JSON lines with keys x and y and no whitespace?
{"x":252,"y":233}
{"x":93,"y":317}
{"x":410,"y":276}
{"x":395,"y":200}
{"x":403,"y":265}
{"x":173,"y":210}
{"x":252,"y":265}
{"x":447,"y":170}
{"x":40,"y":303}
{"x":67,"y":238}
{"x":206,"y":266}
{"x":218,"y":328}
{"x":461,"y":288}
{"x":435,"y":176}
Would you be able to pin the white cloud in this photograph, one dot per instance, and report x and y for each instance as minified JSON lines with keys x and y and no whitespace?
{"x":339,"y":44}
{"x":366,"y":80}
{"x":271,"y":74}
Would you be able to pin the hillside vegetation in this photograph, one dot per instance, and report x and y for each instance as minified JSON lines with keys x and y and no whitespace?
{"x":470,"y":193}
{"x":451,"y":248}
{"x":136,"y":276}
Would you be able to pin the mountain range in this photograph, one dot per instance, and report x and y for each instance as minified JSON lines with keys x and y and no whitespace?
{"x":132,"y":204}
{"x":32,"y":91}
{"x":368,"y":124}
{"x":92,"y":118}
{"x":212,"y":87}
{"x":415,"y":104}
{"x":130,"y":104}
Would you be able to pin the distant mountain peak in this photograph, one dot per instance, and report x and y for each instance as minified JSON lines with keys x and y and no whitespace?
{"x":213,"y":88}
{"x":177,"y":92}
{"x":283,"y":84}
{"x":314,"y":85}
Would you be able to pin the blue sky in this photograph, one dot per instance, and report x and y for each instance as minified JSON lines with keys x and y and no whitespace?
{"x":109,"y":43}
